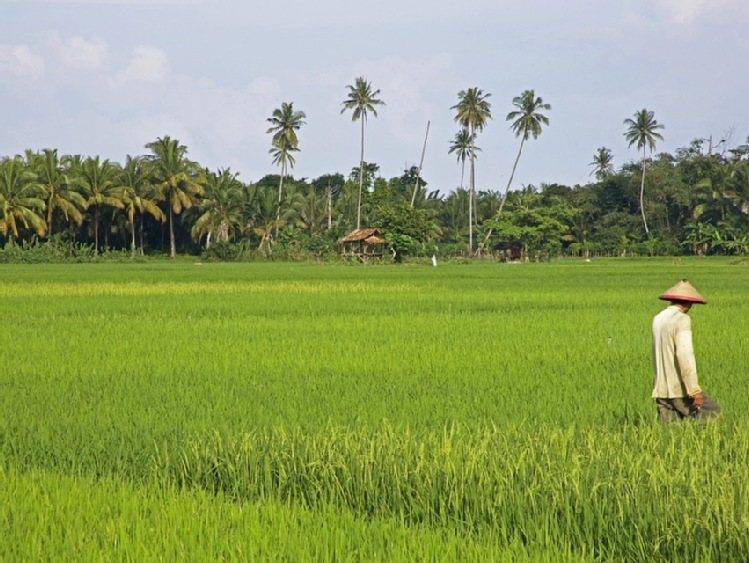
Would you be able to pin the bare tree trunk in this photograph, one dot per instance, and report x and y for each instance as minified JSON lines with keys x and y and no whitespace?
{"x":421,"y":163}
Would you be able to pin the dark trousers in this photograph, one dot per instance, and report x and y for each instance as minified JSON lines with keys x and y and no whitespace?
{"x":673,"y":410}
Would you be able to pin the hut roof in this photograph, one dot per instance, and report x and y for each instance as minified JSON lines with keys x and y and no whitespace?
{"x":359,"y":235}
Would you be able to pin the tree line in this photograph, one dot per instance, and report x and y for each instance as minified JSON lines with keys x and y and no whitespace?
{"x":695,"y":201}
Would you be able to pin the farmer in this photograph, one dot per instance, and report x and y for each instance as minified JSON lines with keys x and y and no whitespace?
{"x":676,"y":390}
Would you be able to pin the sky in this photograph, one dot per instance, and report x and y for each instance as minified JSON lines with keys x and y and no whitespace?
{"x":106,"y":77}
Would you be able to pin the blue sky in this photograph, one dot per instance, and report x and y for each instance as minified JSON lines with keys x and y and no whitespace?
{"x":108,"y":76}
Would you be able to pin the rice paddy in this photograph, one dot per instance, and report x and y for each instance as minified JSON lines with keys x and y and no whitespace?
{"x":326,"y":412}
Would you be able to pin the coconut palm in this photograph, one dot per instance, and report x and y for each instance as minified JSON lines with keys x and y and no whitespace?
{"x":285,"y":122}
{"x":473,"y":112}
{"x":21,"y":201}
{"x":313,"y":209}
{"x":738,"y":186}
{"x":265,"y":220}
{"x":177,"y":179}
{"x":361,"y":100}
{"x":138,"y":196}
{"x":59,"y":190}
{"x":527,"y":120}
{"x":453,"y":212}
{"x":220,"y":209}
{"x":603,"y":163}
{"x":98,"y":183}
{"x":463,"y":146}
{"x":643,"y":130}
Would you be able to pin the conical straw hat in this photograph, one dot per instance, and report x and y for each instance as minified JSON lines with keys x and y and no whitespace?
{"x":683,"y":291}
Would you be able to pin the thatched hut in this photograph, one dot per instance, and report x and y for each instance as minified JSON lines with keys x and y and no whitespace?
{"x":362,"y":244}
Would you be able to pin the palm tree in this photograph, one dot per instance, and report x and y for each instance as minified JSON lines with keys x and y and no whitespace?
{"x":463,"y":147}
{"x":59,"y":192}
{"x":361,"y":100}
{"x":453,"y":212}
{"x":98,"y":181}
{"x":220,"y":209}
{"x":21,"y":201}
{"x":526,"y":123}
{"x":176,"y":178}
{"x":138,"y":196}
{"x":266,"y":220}
{"x":285,"y":122}
{"x":72,"y":164}
{"x":738,"y":186}
{"x":643,"y":131}
{"x":603,"y":163}
{"x":473,"y":111}
{"x":313,"y":209}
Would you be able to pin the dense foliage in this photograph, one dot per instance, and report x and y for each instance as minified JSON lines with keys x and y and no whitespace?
{"x":693,"y":202}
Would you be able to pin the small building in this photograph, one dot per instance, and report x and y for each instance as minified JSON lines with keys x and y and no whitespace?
{"x":509,"y":252}
{"x":362,"y":244}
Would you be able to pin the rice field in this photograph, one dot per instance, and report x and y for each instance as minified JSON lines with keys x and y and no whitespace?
{"x":328,"y":412}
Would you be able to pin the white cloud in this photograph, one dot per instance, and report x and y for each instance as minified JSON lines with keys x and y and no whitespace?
{"x":149,"y":65}
{"x":107,"y":2}
{"x":77,"y":53}
{"x":694,"y":11}
{"x":20,"y":63}
{"x":682,"y":11}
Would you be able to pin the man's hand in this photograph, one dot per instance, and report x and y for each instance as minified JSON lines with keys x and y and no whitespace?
{"x":698,"y":400}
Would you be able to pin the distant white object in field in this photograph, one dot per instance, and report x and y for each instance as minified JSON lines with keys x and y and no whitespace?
{"x":434,"y":260}
{"x":587,"y":259}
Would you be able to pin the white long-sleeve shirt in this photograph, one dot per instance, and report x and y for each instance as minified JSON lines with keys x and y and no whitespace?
{"x":674,"y":366}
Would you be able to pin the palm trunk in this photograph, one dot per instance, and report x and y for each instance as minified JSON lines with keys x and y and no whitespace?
{"x":141,"y":235}
{"x":642,"y":195}
{"x":172,"y":243}
{"x":361,"y":176}
{"x":330,"y":207}
{"x":49,"y":218}
{"x":512,"y":175}
{"x":96,"y":230}
{"x":507,"y":189}
{"x":471,"y":181}
{"x":280,"y":191}
{"x":133,"y":245}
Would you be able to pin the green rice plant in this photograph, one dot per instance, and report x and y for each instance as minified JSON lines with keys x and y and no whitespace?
{"x":636,"y":494}
{"x":48,"y":517}
{"x":504,"y":404}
